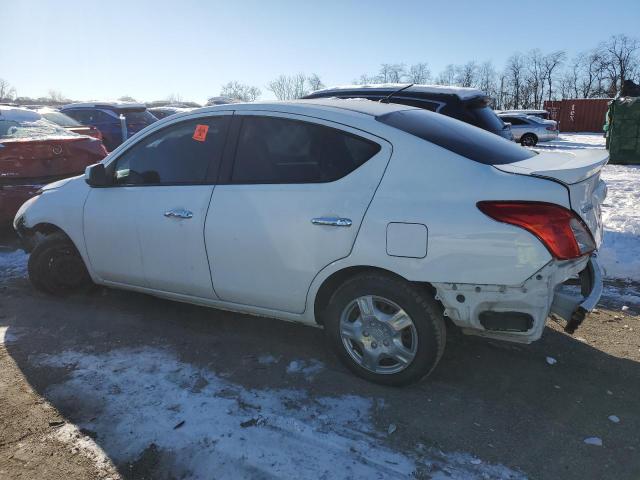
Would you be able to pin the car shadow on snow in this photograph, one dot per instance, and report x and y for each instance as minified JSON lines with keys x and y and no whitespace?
{"x":173,"y":390}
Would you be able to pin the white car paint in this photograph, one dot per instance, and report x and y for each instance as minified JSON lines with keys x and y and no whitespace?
{"x":253,"y":248}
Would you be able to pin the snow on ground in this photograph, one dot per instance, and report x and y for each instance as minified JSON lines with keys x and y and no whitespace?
{"x":139,"y":400}
{"x":13,"y":264}
{"x":620,"y":253}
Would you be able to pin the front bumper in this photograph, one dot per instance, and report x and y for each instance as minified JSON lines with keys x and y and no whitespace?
{"x":574,"y":308}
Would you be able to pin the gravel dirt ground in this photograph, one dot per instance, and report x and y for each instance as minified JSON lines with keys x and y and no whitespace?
{"x":115,"y":384}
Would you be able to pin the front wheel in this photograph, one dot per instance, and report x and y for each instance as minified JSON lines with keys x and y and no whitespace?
{"x":56,"y":267}
{"x":385,"y":329}
{"x":528,"y":140}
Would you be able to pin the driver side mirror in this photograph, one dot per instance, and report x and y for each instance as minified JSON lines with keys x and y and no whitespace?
{"x":96,"y":176}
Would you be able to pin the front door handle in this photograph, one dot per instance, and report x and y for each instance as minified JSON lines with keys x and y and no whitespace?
{"x":332,"y":221}
{"x":178,"y":213}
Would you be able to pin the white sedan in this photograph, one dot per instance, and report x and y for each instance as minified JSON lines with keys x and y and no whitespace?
{"x":375,"y":221}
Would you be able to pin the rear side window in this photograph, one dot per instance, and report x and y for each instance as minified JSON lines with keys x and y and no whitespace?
{"x":514,"y":121}
{"x":90,"y":117}
{"x":184,"y":153}
{"x":278,"y":150}
{"x":456,"y":136}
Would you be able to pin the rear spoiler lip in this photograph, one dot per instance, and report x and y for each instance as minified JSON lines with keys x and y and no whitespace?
{"x":578,"y":166}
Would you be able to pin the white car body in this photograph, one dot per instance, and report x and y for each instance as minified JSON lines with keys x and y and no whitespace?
{"x":254,"y":248}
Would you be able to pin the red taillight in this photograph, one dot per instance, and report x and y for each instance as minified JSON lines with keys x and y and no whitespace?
{"x":559,"y":229}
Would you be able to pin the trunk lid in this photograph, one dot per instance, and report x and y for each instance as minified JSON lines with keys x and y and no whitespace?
{"x":579,"y":172}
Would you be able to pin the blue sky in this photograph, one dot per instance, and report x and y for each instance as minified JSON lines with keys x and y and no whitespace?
{"x":149,"y":49}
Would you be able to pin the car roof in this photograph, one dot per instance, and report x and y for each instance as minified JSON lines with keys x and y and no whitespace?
{"x":18,"y":114}
{"x":463,"y":93}
{"x":116,"y":105}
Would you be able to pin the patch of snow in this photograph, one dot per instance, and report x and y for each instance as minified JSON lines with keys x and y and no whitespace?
{"x":83,"y":444}
{"x":625,"y":308}
{"x":307,"y":368}
{"x":7,"y":337}
{"x":620,"y":251}
{"x":13,"y":264}
{"x":614,"y":418}
{"x":267,"y":360}
{"x":551,"y":361}
{"x":593,"y":441}
{"x":133,"y":398}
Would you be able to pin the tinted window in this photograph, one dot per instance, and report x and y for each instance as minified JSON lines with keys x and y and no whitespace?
{"x":514,"y":120}
{"x":179,"y":154}
{"x":139,"y":117}
{"x":485,"y":117}
{"x":458,"y":137}
{"x":431,"y":106}
{"x":90,"y":117}
{"x":276,"y":150}
{"x":60,"y":119}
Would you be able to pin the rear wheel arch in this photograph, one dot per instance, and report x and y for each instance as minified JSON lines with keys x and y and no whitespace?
{"x":336,"y":279}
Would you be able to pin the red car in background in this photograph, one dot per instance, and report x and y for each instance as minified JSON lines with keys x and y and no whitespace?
{"x":65,"y":121}
{"x":35,"y":152}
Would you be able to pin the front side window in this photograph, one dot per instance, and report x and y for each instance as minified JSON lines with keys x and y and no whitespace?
{"x":278,"y":150}
{"x":184,"y":153}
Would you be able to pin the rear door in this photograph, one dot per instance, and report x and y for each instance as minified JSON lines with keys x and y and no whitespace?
{"x":147,"y":229}
{"x":291,"y":203}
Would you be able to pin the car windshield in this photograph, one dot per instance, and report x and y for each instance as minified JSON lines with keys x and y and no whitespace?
{"x":143,"y":117}
{"x":456,"y":136}
{"x":60,"y":119}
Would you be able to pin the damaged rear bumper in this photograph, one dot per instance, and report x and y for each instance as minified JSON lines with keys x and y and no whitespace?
{"x":573,"y":308}
{"x":518,"y":313}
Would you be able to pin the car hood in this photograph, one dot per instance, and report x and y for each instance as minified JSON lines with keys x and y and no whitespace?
{"x":59,"y":183}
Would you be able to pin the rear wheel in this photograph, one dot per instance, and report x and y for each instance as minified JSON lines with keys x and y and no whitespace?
{"x":385,"y":329}
{"x":56,"y":267}
{"x":528,"y":140}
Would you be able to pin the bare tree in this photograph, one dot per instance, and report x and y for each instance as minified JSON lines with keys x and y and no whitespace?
{"x":174,"y":98}
{"x":466,"y":75}
{"x":447,"y":76}
{"x":289,"y":87}
{"x":535,"y":79}
{"x":621,"y":56}
{"x":56,"y":96}
{"x":486,"y":78}
{"x":7,"y":92}
{"x":314,"y":82}
{"x":550,"y":64}
{"x":418,"y":73}
{"x":240,"y":91}
{"x":391,"y":72}
{"x":514,"y":73}
{"x":127,"y":98}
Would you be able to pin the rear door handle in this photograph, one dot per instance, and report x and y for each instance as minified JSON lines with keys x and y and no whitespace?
{"x":332,"y":221}
{"x":178,"y":213}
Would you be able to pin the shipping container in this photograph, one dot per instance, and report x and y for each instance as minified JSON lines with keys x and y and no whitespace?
{"x":580,"y":114}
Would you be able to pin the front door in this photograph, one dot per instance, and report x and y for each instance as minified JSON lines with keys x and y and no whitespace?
{"x":147,"y":229}
{"x":293,"y":202}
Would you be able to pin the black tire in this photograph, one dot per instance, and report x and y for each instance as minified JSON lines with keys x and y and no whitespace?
{"x":424,"y":311}
{"x":56,"y":267}
{"x":528,"y":140}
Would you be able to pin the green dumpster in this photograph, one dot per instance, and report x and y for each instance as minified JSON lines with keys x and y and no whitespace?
{"x":623,"y":135}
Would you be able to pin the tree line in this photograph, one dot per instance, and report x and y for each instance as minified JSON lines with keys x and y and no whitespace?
{"x":526,"y":80}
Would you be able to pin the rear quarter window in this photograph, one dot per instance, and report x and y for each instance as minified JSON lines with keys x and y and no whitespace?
{"x":456,"y":136}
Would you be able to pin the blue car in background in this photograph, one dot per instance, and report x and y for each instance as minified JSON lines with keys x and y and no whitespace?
{"x":106,"y":118}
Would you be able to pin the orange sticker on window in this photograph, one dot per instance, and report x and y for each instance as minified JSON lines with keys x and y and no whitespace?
{"x":200,"y":133}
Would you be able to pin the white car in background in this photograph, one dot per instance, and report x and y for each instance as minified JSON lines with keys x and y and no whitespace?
{"x":528,"y":130}
{"x":373,"y":220}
